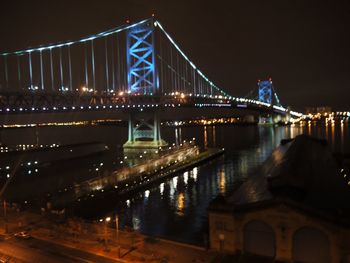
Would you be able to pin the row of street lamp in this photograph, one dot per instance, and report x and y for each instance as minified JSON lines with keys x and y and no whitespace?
{"x":107,"y":220}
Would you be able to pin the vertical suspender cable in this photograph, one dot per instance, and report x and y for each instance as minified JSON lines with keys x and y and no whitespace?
{"x":52,"y":76}
{"x":93,"y":65}
{"x":30,"y":70}
{"x":171,"y":70}
{"x":70,"y":70}
{"x":204,"y":87}
{"x":178,"y":72}
{"x":182,"y":75}
{"x":61,"y":70}
{"x":119,"y":74}
{"x":113,"y":74}
{"x":112,"y":55}
{"x":161,"y":81}
{"x":199,"y":90}
{"x":41,"y":70}
{"x":194,"y":81}
{"x":185,"y":74}
{"x":86,"y":69}
{"x":6,"y":72}
{"x":107,"y":66}
{"x":186,"y":85}
{"x":175,"y":77}
{"x":19,"y":72}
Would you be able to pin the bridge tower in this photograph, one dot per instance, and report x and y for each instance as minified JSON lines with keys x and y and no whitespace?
{"x":265,"y":91}
{"x":143,"y":127}
{"x":265,"y":95}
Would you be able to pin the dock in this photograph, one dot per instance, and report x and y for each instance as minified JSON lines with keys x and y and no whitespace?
{"x":128,"y":180}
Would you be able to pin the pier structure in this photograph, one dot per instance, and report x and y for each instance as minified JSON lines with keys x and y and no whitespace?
{"x":143,"y":133}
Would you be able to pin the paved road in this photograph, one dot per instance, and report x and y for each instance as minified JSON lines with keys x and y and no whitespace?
{"x":40,"y":251}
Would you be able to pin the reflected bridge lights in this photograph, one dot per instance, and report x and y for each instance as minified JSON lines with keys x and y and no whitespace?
{"x":161,"y":188}
{"x":195,"y":173}
{"x":180,"y":204}
{"x":147,"y":192}
{"x":175,"y":182}
{"x":185,"y":178}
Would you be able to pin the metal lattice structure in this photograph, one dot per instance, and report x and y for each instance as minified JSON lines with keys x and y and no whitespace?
{"x":141,"y":59}
{"x":265,"y":91}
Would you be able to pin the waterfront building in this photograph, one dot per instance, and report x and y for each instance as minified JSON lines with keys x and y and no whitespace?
{"x":294,"y":208}
{"x":321,"y":109}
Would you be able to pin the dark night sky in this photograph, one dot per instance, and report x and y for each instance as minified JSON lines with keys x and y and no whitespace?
{"x":304,"y":45}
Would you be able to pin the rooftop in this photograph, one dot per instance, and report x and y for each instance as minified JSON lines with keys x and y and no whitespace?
{"x":301,"y":172}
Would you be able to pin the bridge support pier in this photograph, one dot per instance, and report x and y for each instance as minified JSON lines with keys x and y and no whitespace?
{"x":275,"y":119}
{"x":143,"y":133}
{"x":265,"y":119}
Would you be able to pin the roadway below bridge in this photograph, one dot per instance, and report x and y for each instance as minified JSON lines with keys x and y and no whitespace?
{"x":37,"y":250}
{"x":75,"y":240}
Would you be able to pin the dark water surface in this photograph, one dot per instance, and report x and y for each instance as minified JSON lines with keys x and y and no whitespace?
{"x":177,"y":208}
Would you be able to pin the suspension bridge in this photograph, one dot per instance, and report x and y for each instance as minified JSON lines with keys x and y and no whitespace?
{"x":136,"y":67}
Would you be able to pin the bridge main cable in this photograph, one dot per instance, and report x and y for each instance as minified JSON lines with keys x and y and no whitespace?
{"x":157,"y":23}
{"x":71,"y":42}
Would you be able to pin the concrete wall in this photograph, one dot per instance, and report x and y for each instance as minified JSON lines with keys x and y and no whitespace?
{"x":285,"y":222}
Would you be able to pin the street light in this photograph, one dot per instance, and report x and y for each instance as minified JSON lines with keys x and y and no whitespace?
{"x":107,"y":220}
{"x":117,"y":227}
{"x":117,"y":232}
{"x":4,"y":200}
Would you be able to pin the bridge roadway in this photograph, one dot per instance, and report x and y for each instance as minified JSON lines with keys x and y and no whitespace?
{"x":31,"y":102}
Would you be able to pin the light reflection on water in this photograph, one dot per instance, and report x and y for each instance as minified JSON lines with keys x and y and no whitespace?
{"x":181,"y":212}
{"x":177,"y":207}
{"x":222,"y":181}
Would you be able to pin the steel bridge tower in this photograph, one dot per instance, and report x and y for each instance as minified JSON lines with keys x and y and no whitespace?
{"x":265,"y":95}
{"x":265,"y":91}
{"x":143,"y":127}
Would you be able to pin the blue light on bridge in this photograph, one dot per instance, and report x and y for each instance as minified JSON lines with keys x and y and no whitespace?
{"x":265,"y":91}
{"x":141,"y":60}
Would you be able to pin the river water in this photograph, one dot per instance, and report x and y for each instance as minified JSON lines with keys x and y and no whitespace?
{"x":177,"y":207}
